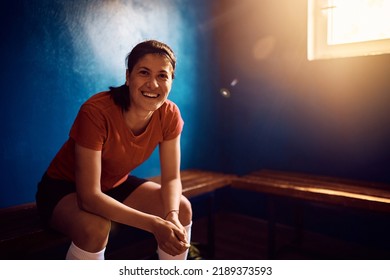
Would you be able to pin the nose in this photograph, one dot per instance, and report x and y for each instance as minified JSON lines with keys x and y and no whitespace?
{"x":152,"y":83}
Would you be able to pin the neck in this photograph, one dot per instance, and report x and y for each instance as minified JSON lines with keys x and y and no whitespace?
{"x":136,"y":121}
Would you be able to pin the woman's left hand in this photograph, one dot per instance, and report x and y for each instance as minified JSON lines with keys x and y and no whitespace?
{"x":173,"y":217}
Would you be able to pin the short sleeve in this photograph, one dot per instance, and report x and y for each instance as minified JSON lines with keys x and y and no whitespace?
{"x":89,"y":128}
{"x":172,"y":121}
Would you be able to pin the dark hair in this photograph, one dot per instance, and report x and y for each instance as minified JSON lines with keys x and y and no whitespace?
{"x":120,"y":94}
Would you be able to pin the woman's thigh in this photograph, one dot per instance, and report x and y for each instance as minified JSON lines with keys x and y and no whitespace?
{"x":146,"y":198}
{"x":85,"y":229}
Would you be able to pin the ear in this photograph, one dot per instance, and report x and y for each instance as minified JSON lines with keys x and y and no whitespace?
{"x":127,"y":77}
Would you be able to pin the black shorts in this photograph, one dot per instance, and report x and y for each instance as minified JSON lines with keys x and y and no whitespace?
{"x":51,"y":191}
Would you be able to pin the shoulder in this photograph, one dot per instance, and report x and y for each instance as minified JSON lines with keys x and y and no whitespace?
{"x":101,"y":102}
{"x":169,"y":108}
{"x":171,"y":120}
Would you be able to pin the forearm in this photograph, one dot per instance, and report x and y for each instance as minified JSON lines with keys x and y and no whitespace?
{"x":111,"y":209}
{"x":171,"y":191}
{"x":92,"y":199}
{"x":171,"y":195}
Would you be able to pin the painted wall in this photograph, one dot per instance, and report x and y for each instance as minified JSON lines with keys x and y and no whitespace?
{"x":327,"y":117}
{"x":57,"y":53}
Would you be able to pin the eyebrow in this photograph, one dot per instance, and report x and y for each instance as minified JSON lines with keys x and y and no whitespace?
{"x":148,"y":69}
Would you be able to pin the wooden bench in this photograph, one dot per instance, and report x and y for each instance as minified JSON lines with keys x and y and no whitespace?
{"x":364,"y":196}
{"x":22,"y":236}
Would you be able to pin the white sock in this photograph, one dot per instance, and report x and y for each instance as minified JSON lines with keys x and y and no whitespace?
{"x":76,"y":253}
{"x":164,"y":256}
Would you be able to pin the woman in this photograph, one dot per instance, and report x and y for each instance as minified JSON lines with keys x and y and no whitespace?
{"x":87,"y":185}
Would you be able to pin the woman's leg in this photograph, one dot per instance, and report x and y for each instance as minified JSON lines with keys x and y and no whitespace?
{"x":147,"y":198}
{"x":88,"y":232}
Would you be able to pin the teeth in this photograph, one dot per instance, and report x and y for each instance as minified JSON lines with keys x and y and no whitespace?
{"x":149,"y":94}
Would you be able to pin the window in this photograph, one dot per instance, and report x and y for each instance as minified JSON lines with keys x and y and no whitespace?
{"x":342,"y":28}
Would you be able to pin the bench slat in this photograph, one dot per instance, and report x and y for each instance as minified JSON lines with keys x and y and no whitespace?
{"x":338,"y":184}
{"x":333,"y":191}
{"x":196,"y":182}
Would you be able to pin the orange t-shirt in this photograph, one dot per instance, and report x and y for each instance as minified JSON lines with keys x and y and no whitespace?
{"x":100,"y":126}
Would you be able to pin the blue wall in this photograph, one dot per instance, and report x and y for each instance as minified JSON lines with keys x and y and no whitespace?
{"x":57,"y":53}
{"x":328,"y":117}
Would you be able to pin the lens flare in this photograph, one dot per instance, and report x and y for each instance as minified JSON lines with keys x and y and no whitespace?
{"x":234,"y":82}
{"x":225,"y":92}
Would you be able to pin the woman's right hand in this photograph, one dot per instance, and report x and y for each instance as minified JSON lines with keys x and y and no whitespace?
{"x":167,"y":236}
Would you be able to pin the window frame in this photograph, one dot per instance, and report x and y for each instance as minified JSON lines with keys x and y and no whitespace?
{"x":317,"y":45}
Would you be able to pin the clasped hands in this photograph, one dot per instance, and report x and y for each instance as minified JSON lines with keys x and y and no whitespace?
{"x":171,"y":236}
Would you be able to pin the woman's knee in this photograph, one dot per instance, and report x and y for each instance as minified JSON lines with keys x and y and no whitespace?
{"x":95,"y":232}
{"x":185,"y":211}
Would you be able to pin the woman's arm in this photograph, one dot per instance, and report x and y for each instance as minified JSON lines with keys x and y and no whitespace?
{"x":92,"y":199}
{"x":170,"y":174}
{"x":171,"y":187}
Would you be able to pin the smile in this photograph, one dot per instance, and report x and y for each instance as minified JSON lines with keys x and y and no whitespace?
{"x":150,"y":95}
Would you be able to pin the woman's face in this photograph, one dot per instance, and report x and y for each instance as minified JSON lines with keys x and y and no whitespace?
{"x":149,"y":82}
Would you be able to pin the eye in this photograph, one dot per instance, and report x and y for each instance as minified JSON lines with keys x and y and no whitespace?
{"x":143,"y":72}
{"x":163,"y":76}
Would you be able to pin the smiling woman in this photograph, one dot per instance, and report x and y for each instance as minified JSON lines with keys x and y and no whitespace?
{"x":140,"y":59}
{"x":149,"y":83}
{"x":87,"y":185}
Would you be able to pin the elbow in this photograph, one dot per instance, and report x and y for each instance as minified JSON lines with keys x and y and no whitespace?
{"x":82,"y":204}
{"x":86,"y":204}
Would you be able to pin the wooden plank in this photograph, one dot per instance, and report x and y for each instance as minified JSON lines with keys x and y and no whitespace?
{"x":314,"y":189}
{"x":338,"y":184}
{"x":196,"y":182}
